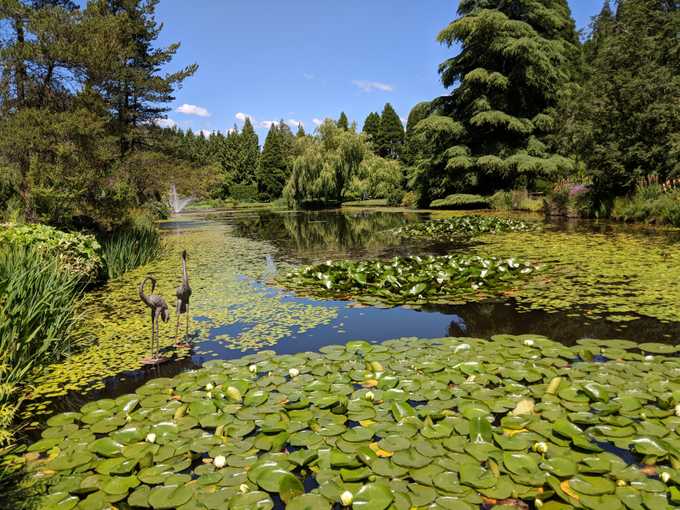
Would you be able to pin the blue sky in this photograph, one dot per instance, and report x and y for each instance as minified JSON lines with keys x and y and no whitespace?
{"x":304,"y":60}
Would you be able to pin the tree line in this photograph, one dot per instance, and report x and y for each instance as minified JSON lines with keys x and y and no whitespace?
{"x":532,"y":103}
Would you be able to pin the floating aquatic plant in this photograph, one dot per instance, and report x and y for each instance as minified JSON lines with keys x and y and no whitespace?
{"x":413,"y":279}
{"x":464,"y":226}
{"x":115,"y":327}
{"x":454,"y":423}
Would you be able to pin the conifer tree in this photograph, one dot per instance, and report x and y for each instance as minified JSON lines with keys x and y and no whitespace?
{"x":343,"y":121}
{"x":273,"y":166}
{"x":372,"y":127}
{"x":249,"y":152}
{"x":515,"y":58}
{"x":300,"y":131}
{"x":390,"y":138}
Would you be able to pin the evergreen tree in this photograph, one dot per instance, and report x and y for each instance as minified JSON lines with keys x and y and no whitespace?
{"x":343,"y":121}
{"x":419,"y":112}
{"x":515,"y":58}
{"x":390,"y":138}
{"x":273,"y":168}
{"x":300,"y":131}
{"x":249,"y":153}
{"x":133,"y":85}
{"x":372,"y":128}
{"x":625,"y":121}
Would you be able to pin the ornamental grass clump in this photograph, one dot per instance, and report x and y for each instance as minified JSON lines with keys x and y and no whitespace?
{"x":130,"y":248}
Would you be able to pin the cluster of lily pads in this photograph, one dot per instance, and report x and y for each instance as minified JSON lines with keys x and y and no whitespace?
{"x":452,"y":424}
{"x":409,"y":280}
{"x":464,"y":226}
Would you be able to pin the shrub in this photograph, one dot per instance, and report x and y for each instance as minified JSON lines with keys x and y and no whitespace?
{"x":461,"y":201}
{"x":130,"y":247}
{"x":573,"y":200}
{"x":76,"y":252}
{"x":410,"y":200}
{"x":244,"y":192}
{"x":515,"y":200}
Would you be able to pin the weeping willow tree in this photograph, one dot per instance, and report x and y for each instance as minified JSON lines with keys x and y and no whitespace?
{"x":515,"y":58}
{"x":325,"y":166}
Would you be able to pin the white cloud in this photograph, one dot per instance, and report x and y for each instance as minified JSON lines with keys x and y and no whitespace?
{"x":231,"y":130}
{"x":192,"y":109}
{"x":371,"y":86}
{"x":243,"y":116}
{"x":267,"y":123}
{"x":295,"y":123}
{"x":318,"y":122}
{"x":165,"y":123}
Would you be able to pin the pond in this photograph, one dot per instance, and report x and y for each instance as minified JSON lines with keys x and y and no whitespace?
{"x":595,"y":281}
{"x":606,"y":281}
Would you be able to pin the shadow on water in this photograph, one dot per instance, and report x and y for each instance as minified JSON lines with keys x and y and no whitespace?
{"x":305,"y":237}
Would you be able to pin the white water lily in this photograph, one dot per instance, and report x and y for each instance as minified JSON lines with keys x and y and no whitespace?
{"x":234,"y":394}
{"x":484,"y":273}
{"x":540,"y":447}
{"x":209,"y":394}
{"x":252,"y":368}
{"x":346,"y":498}
{"x":665,"y":476}
{"x":293,"y":372}
{"x":209,"y":386}
{"x":151,"y":437}
{"x":677,"y":410}
{"x":526,"y":270}
{"x":621,"y":483}
{"x":369,"y":396}
{"x":243,"y":488}
{"x":649,"y":357}
{"x":529,"y":342}
{"x":462,"y":347}
{"x":538,"y":503}
{"x":220,"y":461}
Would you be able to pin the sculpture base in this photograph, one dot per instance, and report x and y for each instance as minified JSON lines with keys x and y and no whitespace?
{"x":158,"y":360}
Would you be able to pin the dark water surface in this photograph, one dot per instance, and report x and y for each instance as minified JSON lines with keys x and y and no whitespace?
{"x":308,"y":237}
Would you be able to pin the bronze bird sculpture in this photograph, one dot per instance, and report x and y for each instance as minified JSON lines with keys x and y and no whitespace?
{"x":159,"y":310}
{"x":183,"y":294}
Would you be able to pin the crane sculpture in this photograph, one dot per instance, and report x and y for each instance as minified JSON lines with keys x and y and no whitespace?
{"x":183,"y":294}
{"x":159,"y":310}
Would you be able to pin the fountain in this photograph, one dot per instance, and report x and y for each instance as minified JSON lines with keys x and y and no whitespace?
{"x":176,"y":202}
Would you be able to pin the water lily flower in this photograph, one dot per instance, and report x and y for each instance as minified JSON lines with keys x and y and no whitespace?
{"x":677,"y":410}
{"x":484,"y":273}
{"x":151,"y":437}
{"x":462,"y":347}
{"x":220,"y":461}
{"x":529,"y":342}
{"x":346,"y":498}
{"x":538,"y":503}
{"x":470,"y":379}
{"x":234,"y":394}
{"x":369,"y":396}
{"x":621,"y":483}
{"x":293,"y":372}
{"x":252,"y":368}
{"x":540,"y":447}
{"x":209,"y":394}
{"x":665,"y":476}
{"x":649,"y":357}
{"x":209,"y":386}
{"x":243,"y":488}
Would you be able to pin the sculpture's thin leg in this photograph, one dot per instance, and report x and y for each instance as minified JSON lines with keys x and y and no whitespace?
{"x":153,"y":330}
{"x":177,"y":325}
{"x":186,"y":335}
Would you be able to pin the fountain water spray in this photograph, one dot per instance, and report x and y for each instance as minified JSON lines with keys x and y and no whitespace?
{"x":176,"y":202}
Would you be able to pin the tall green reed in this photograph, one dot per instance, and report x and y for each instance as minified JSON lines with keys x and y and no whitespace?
{"x":130,"y":248}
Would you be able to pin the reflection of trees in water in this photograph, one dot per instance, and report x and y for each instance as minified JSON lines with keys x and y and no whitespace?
{"x":317,"y":235}
{"x":491,"y":318}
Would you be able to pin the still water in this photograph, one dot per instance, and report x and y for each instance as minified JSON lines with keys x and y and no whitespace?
{"x":294,"y":238}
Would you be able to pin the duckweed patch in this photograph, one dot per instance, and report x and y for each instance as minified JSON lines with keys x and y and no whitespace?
{"x":464,"y":226}
{"x":618,"y":276}
{"x":453,"y":423}
{"x":116,"y":326}
{"x":410,"y":280}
